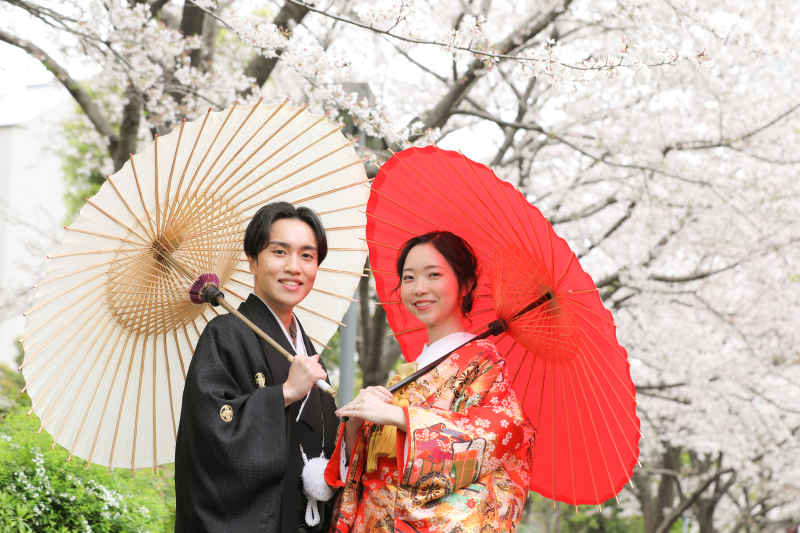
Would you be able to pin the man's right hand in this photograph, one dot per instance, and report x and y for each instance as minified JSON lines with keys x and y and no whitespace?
{"x":304,"y":372}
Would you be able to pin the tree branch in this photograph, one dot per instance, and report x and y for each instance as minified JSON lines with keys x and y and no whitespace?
{"x":602,"y":159}
{"x":610,"y":230}
{"x":41,"y":11}
{"x":482,"y":53}
{"x":499,"y":122}
{"x":438,"y":116}
{"x":586,"y":212}
{"x":434,"y":74}
{"x":261,"y":67}
{"x":762,"y":158}
{"x":155,"y":7}
{"x":502,"y":54}
{"x":692,"y":277}
{"x":721,"y":490}
{"x":420,"y":65}
{"x":608,"y":280}
{"x":659,"y":387}
{"x":766,"y":250}
{"x":522,"y":110}
{"x":726,"y":142}
{"x":662,"y":397}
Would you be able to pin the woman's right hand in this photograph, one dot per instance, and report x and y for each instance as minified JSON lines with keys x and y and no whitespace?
{"x":353,"y":425}
{"x":366,"y":405}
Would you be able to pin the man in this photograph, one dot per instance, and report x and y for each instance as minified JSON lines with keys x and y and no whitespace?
{"x":246,"y":411}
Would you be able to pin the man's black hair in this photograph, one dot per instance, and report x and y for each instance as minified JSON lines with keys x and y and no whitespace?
{"x":256,"y":237}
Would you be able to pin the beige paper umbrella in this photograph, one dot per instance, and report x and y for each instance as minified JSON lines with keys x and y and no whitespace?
{"x":112,"y":330}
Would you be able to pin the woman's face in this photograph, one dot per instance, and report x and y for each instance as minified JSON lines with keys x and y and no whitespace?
{"x":429,"y":287}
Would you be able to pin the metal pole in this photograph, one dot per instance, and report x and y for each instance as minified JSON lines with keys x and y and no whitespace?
{"x":347,"y":353}
{"x":347,"y":335}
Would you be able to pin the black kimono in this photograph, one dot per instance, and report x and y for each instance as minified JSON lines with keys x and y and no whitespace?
{"x":237,"y":457}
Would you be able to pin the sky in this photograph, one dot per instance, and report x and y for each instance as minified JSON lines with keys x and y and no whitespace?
{"x":18,"y":69}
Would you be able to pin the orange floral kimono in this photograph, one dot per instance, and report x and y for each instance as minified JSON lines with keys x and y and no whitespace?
{"x":464,"y":464}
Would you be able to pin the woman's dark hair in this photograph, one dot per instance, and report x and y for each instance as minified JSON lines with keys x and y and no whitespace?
{"x":459,"y":255}
{"x":256,"y":237}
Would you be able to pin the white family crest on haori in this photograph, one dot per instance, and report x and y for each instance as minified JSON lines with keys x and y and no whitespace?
{"x":111,"y":333}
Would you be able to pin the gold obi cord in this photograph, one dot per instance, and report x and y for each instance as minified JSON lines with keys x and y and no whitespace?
{"x":383,"y":441}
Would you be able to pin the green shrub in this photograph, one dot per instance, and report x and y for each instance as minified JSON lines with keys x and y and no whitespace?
{"x":41,"y":491}
{"x":14,"y":516}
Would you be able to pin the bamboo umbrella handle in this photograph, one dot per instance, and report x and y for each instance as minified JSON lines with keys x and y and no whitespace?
{"x":269,"y":340}
{"x":216,"y":297}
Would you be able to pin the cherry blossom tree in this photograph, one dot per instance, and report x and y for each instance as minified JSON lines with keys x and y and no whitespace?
{"x":660,"y":138}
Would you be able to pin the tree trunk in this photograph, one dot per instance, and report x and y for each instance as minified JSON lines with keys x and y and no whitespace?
{"x":671,"y":461}
{"x":128,"y":128}
{"x":376,"y":353}
{"x":192,"y":24}
{"x":653,"y":506}
{"x":374,"y":368}
{"x":705,"y":506}
{"x":704,"y":512}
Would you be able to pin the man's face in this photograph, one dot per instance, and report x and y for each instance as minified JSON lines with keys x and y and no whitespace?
{"x":286,"y":269}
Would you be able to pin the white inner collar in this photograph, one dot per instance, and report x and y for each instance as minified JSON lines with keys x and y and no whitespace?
{"x":299,"y":346}
{"x":431,"y":352}
{"x":297,"y":343}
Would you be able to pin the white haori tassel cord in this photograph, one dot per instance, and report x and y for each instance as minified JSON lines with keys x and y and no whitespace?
{"x":314,"y":485}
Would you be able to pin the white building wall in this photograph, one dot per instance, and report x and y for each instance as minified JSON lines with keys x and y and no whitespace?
{"x":32,"y":207}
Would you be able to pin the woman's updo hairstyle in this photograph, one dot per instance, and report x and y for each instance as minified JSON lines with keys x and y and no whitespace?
{"x":458,"y":254}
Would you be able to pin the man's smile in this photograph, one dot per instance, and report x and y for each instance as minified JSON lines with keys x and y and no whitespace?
{"x":291,"y":284}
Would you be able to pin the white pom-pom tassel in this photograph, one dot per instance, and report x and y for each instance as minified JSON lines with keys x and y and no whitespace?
{"x":314,"y":486}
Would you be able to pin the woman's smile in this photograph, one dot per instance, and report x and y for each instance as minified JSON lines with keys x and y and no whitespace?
{"x":423,"y":304}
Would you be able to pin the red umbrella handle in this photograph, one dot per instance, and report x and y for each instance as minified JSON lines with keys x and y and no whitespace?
{"x":492,"y":330}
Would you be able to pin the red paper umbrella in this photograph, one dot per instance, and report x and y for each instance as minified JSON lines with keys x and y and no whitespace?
{"x":568,"y":370}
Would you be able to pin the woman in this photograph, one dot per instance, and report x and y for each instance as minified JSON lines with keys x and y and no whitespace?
{"x":450,"y":453}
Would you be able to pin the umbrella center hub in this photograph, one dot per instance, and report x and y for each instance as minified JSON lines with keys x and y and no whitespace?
{"x":525,"y":294}
{"x":169,"y":241}
{"x":146,"y":292}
